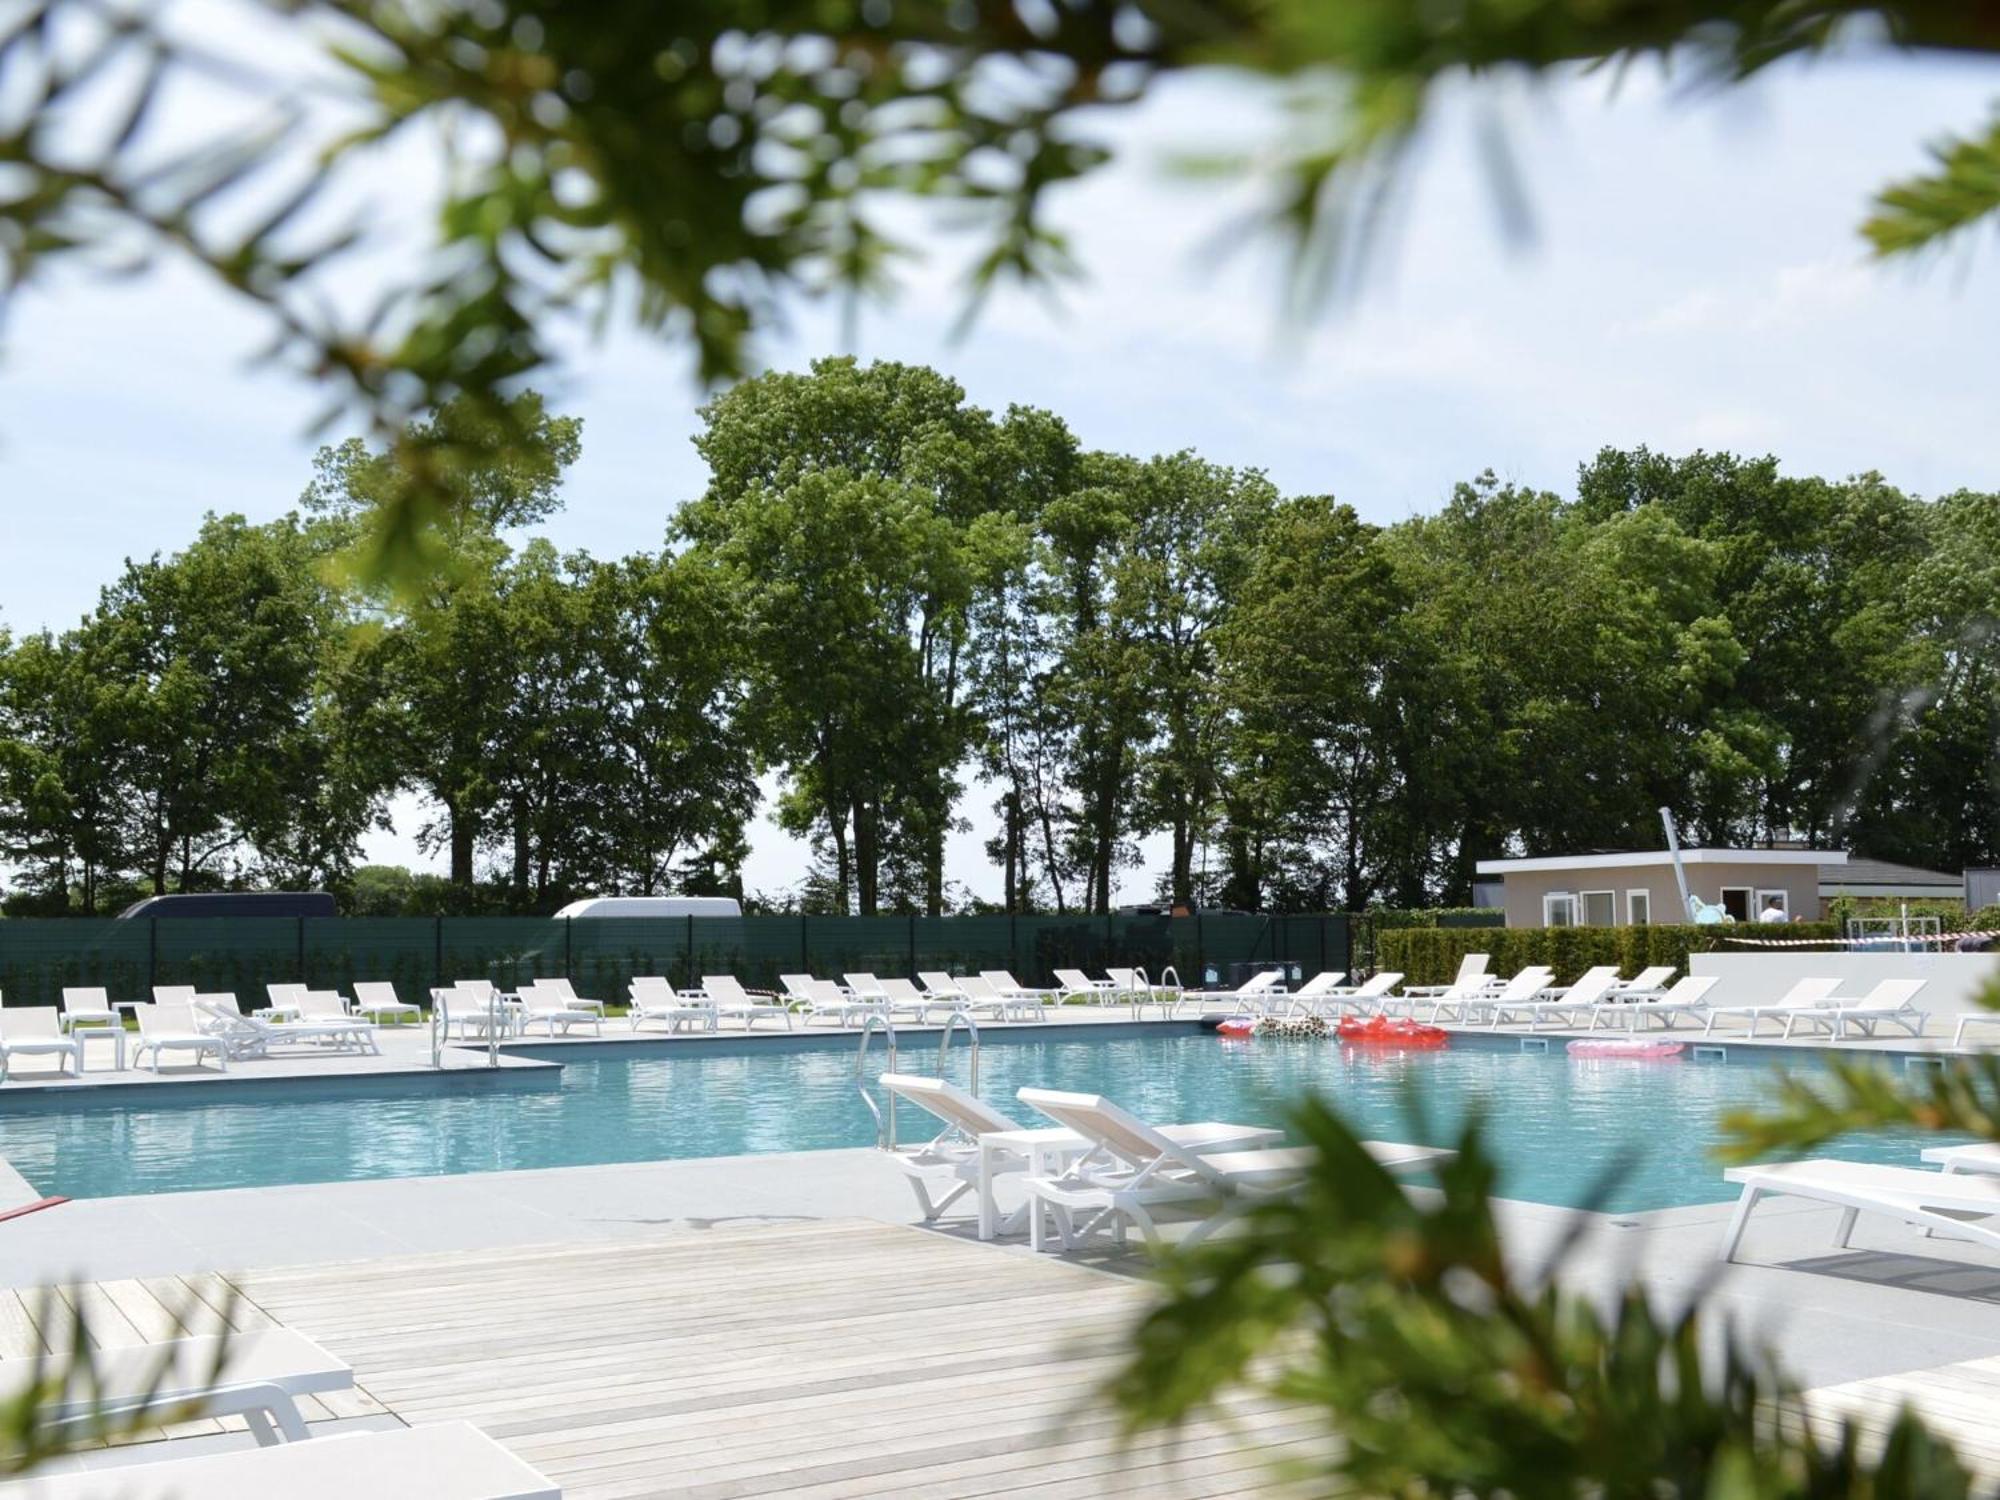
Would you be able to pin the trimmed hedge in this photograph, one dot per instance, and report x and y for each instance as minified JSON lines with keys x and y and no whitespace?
{"x":1430,"y":955}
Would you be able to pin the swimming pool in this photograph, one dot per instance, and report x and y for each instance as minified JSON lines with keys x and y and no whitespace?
{"x":1557,"y":1123}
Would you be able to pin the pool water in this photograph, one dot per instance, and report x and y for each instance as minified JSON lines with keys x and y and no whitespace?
{"x":1558,"y":1125}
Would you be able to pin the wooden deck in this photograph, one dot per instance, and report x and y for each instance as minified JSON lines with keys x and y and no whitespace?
{"x":1959,"y":1402}
{"x":845,"y":1359}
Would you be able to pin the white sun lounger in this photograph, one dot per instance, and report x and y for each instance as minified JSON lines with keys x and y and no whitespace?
{"x":88,"y":1006}
{"x":952,"y":1159}
{"x":1362,"y":999}
{"x":250,"y":1036}
{"x":284,"y":1002}
{"x":904,"y":998}
{"x":1973,"y":1018}
{"x":36,"y":1031}
{"x":438,"y":1461}
{"x":1471,"y":973}
{"x":1580,"y":999}
{"x":1807,"y":994}
{"x":376,"y":998}
{"x":260,"y":1377}
{"x":982,"y":996}
{"x":1983,"y":1157}
{"x":1650,"y":981}
{"x":1961,"y":1203}
{"x":562,"y":990}
{"x":815,"y":999}
{"x":1075,"y":984}
{"x":1132,"y":1169}
{"x":169,"y":1026}
{"x":1003,"y":983}
{"x":1467,"y":1000}
{"x":726,"y":994}
{"x":544,"y":1003}
{"x":1889,"y":1001}
{"x":1684,"y":999}
{"x":324,"y":1005}
{"x":1321,"y":986}
{"x":1255,"y":996}
{"x":474,"y":1008}
{"x":655,"y":999}
{"x":877,"y":992}
{"x":941,"y":992}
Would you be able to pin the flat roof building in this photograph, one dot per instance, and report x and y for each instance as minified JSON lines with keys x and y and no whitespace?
{"x":1620,"y":889}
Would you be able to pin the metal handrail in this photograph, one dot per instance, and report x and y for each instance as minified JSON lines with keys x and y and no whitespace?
{"x":885,"y":1128}
{"x":951,"y":1022}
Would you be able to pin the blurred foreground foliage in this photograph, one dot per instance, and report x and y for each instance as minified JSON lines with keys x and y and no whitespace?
{"x":1443,"y":1369}
{"x":694,"y":169}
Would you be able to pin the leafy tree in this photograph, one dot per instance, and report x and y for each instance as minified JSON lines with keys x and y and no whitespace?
{"x":841,"y":508}
{"x":1306,"y":667}
{"x":694,"y":167}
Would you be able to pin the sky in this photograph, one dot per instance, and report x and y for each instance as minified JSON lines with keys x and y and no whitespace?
{"x":1692,"y":279}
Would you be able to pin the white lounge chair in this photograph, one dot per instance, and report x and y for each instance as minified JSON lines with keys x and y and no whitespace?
{"x":1807,"y":994}
{"x":1323,"y":985}
{"x":173,"y":994}
{"x":324,"y":1005}
{"x":88,"y":1006}
{"x":952,"y":1159}
{"x":726,"y":994}
{"x":1576,"y":1002}
{"x":438,"y":1461}
{"x":284,"y":1002}
{"x":877,"y":993}
{"x":1973,"y":1018}
{"x":1956,"y":1203}
{"x":1074,"y":984}
{"x":983,"y":998}
{"x":655,"y":999}
{"x":1006,"y":984}
{"x":561,"y":990}
{"x":169,"y":1026}
{"x":1362,"y":999}
{"x":544,"y":1004}
{"x":941,"y":992}
{"x":376,"y":998}
{"x":816,"y":999}
{"x":1889,"y":1001}
{"x":1471,"y":973}
{"x":256,"y":1374}
{"x":1252,"y":997}
{"x":1132,"y":1170}
{"x":475,"y":1008}
{"x":1471,"y":1000}
{"x":1647,"y":982}
{"x":904,"y":998}
{"x":1141,"y":991}
{"x":36,"y":1031}
{"x":252,"y":1036}
{"x":1686,"y":998}
{"x":1983,"y":1157}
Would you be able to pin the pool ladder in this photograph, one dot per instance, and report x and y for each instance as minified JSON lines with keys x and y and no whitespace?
{"x":885,"y":1118}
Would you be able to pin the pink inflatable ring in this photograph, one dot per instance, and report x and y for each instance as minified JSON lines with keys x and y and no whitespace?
{"x":1624,"y":1047}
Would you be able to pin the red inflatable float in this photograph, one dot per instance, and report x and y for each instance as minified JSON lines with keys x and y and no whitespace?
{"x":1381,"y":1031}
{"x":1241,"y":1026}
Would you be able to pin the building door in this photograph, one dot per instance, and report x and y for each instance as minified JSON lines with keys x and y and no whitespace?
{"x":1736,"y":901}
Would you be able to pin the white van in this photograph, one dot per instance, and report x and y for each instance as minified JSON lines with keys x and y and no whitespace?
{"x":653,"y":906}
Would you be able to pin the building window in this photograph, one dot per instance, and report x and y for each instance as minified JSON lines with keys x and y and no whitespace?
{"x":1779,"y":902}
{"x":1600,"y":909}
{"x":1559,"y":909}
{"x":1736,"y":901}
{"x":1639,"y":907}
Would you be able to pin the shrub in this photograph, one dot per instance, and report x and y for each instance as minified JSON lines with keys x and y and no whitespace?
{"x":1430,"y":955}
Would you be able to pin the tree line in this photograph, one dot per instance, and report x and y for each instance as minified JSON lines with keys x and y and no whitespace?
{"x":891,"y":600}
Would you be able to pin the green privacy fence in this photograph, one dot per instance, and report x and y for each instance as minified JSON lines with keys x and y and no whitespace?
{"x":241,"y":955}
